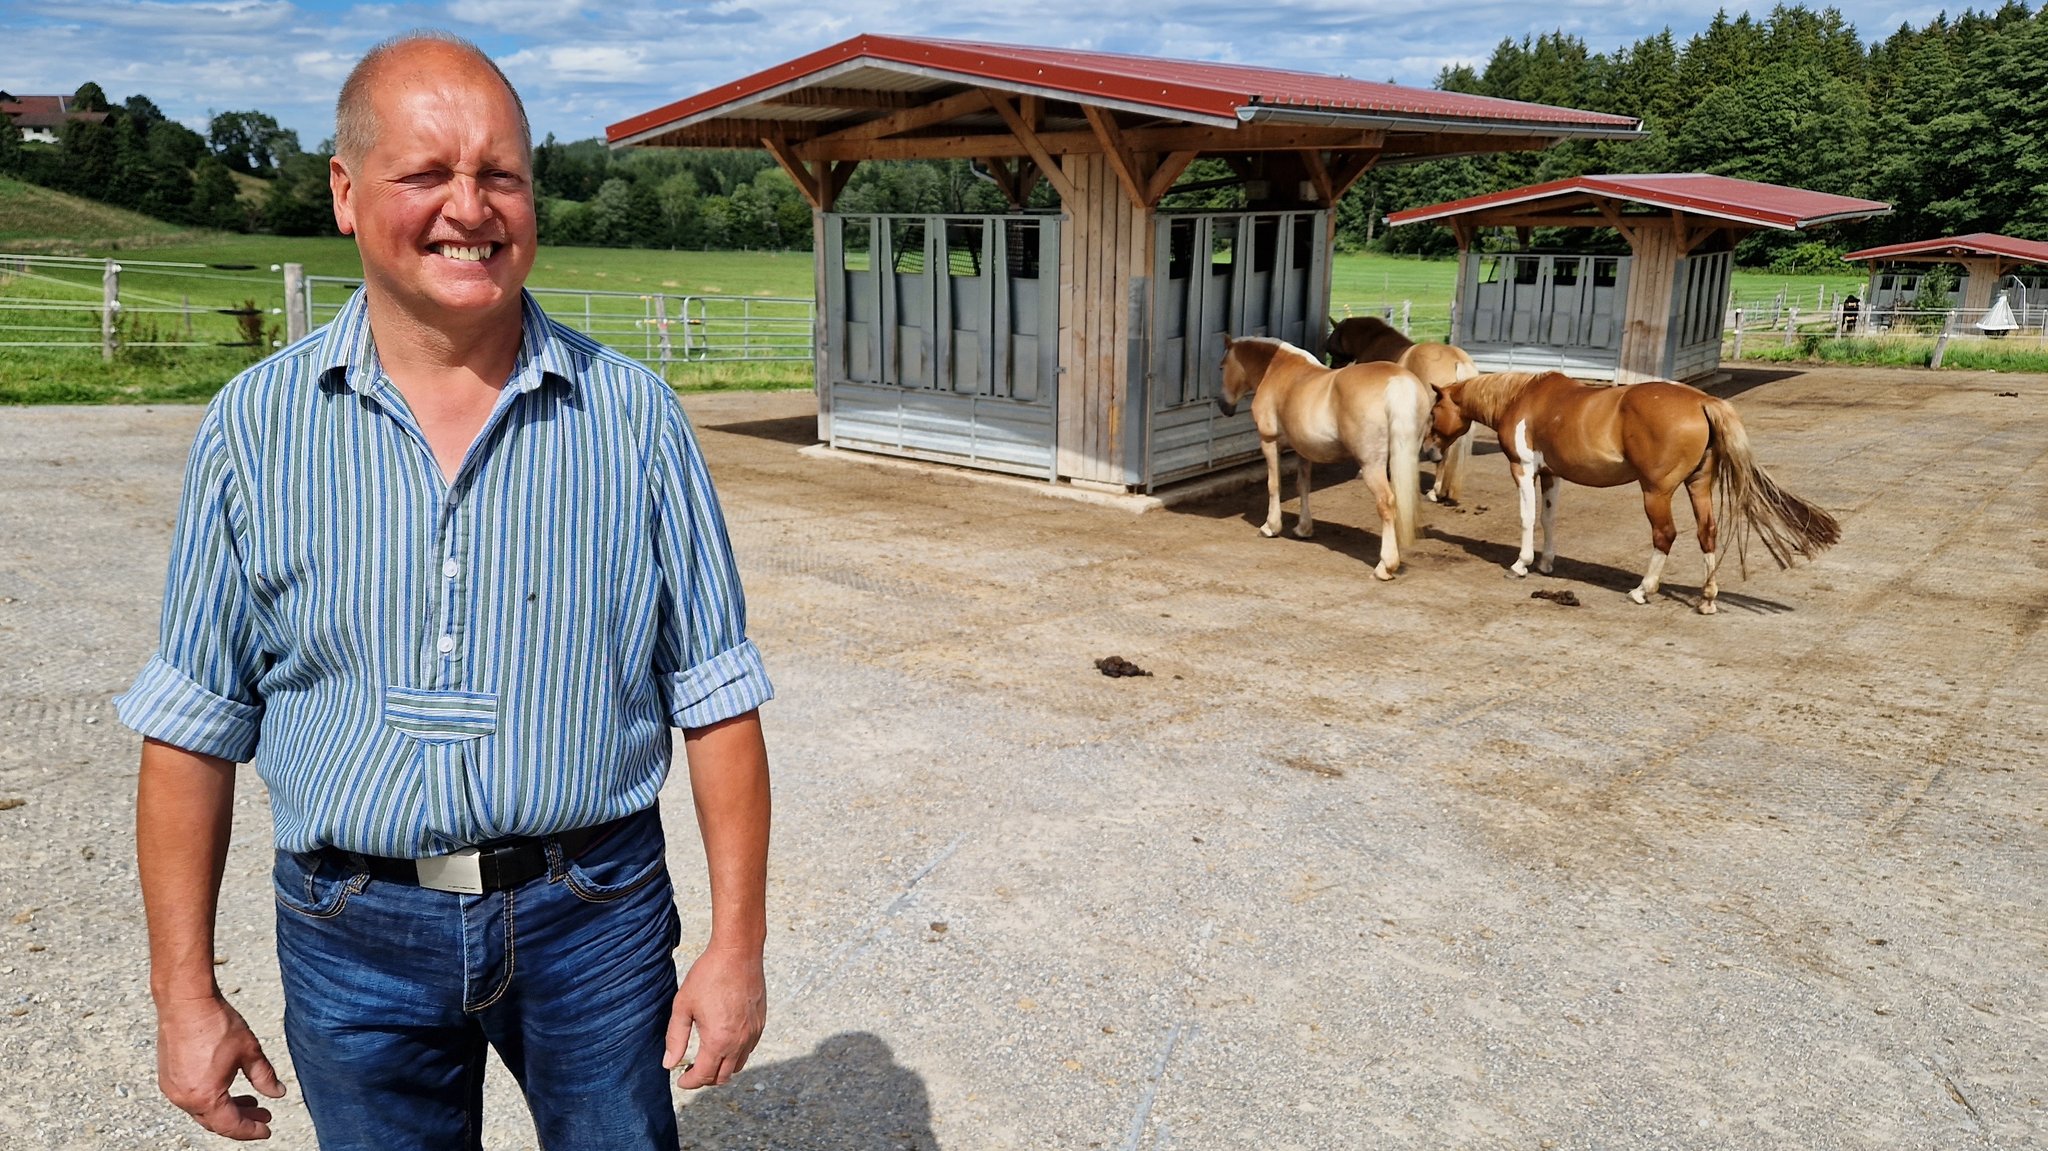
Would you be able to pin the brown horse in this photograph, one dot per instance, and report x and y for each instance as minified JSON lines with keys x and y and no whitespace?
{"x":1364,"y":339}
{"x":1374,"y":413}
{"x":1658,"y":435}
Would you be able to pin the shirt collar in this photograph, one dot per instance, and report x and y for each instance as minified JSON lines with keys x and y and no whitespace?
{"x":348,"y":355}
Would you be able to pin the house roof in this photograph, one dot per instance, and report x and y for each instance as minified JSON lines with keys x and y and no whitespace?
{"x":1958,"y":247}
{"x":865,"y":71}
{"x":1743,"y":202}
{"x":44,"y":111}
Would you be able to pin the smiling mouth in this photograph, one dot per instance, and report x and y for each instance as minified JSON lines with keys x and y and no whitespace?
{"x":468,"y":253}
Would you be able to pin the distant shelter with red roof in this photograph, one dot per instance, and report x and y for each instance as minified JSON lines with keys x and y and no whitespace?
{"x":1655,"y":313}
{"x":1990,"y":264}
{"x":41,"y":118}
{"x":1081,"y":345}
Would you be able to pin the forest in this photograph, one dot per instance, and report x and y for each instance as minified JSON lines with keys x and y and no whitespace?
{"x":1942,"y":121}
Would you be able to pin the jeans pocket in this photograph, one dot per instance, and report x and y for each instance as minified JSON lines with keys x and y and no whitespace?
{"x":314,"y":885}
{"x":602,"y":881}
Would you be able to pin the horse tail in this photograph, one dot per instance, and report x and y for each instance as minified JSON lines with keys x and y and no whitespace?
{"x":1750,"y":501}
{"x":1407,"y":403}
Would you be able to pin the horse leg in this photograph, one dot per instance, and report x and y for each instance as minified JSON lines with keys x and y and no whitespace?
{"x":1701,"y":489}
{"x":1552,"y":486}
{"x":1525,"y":487}
{"x":1271,"y":527}
{"x":1305,"y":526}
{"x":1390,"y":534}
{"x":1656,"y":505}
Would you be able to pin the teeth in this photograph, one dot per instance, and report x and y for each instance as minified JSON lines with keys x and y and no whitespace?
{"x":458,"y":252}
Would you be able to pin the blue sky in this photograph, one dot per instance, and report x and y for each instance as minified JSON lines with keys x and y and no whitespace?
{"x":582,"y":64}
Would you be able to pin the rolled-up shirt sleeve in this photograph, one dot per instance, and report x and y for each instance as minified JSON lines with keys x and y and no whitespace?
{"x":707,"y":668}
{"x":200,"y":691}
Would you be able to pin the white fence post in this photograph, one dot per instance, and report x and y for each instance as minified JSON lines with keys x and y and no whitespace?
{"x":1791,"y":324}
{"x":110,"y":310}
{"x":297,"y":312}
{"x":1738,"y":335}
{"x":1407,"y":309}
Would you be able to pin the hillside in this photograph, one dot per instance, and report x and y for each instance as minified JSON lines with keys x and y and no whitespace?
{"x":35,"y":217}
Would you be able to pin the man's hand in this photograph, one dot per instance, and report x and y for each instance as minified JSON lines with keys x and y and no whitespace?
{"x":200,"y":1045}
{"x":725,"y":998}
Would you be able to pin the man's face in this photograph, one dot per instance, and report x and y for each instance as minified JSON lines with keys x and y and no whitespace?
{"x":441,"y":204}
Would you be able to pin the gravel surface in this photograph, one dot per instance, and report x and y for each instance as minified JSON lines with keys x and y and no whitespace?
{"x":1427,"y":864}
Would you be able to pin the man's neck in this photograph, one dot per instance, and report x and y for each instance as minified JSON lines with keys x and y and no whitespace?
{"x":418,"y":353}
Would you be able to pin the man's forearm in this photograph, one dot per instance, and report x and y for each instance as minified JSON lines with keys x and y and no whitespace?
{"x":184,"y":810}
{"x":729,"y":782}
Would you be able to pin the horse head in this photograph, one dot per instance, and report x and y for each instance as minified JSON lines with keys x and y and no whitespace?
{"x":1447,"y":418}
{"x":1244,"y":365}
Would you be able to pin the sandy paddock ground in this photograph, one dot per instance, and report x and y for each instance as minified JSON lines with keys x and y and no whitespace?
{"x":1427,"y":864}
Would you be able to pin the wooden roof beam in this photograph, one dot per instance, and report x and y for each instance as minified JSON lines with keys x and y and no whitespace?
{"x":1319,"y":175}
{"x":1027,"y":136}
{"x":910,"y":119}
{"x":1348,"y":170}
{"x":1135,"y":181}
{"x":1196,"y":138}
{"x":1169,"y":170}
{"x":806,"y":181}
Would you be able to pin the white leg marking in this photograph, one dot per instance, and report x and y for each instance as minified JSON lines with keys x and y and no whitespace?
{"x":1709,"y":590}
{"x":1652,"y":579}
{"x":1525,"y":484}
{"x":1271,"y":527}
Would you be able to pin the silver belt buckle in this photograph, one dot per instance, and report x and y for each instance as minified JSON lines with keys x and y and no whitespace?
{"x":459,"y":872}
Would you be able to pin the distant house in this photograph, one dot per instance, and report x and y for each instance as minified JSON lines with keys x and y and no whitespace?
{"x":40,"y":118}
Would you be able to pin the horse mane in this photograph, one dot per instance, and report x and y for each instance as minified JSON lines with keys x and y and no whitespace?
{"x":1260,"y":352}
{"x":1484,"y":397}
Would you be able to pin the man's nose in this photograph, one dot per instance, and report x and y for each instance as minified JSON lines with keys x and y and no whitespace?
{"x":466,"y":206}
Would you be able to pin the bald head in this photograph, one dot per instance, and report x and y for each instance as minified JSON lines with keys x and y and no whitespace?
{"x":355,"y":113}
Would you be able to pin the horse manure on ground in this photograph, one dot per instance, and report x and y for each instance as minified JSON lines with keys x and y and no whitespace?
{"x":2012,"y":394}
{"x":1116,"y":667}
{"x":1566,"y":597}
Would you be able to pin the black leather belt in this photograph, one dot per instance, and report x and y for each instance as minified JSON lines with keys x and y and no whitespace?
{"x":478,"y":870}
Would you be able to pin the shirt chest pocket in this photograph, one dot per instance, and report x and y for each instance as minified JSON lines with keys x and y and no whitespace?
{"x":440,"y":716}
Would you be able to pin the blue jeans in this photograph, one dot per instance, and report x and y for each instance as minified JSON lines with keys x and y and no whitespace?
{"x":392,"y":991}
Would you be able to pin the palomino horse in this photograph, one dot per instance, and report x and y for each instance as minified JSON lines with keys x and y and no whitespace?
{"x":1659,"y":435}
{"x":1374,"y":413}
{"x":1363,"y":339}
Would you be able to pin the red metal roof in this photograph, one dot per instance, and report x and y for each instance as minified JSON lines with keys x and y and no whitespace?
{"x":1192,"y":90}
{"x":44,"y":112}
{"x":1722,"y":197}
{"x":1974,"y":244}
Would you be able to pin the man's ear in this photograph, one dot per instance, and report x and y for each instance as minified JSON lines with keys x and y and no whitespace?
{"x":341,"y":185}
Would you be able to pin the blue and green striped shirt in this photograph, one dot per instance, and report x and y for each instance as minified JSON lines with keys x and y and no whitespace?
{"x":414,"y":665}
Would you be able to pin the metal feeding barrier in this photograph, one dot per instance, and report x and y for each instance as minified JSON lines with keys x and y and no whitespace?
{"x":658,"y":329}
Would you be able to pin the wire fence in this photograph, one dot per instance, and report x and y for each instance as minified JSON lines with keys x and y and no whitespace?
{"x":657,"y":329}
{"x":68,"y":304}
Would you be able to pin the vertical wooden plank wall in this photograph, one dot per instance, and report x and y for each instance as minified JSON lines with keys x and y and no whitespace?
{"x":821,"y":374}
{"x":1105,"y":255}
{"x":1646,"y":331}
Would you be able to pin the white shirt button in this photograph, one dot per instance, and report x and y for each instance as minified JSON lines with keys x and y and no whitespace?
{"x":447,"y":644}
{"x":450,"y":568}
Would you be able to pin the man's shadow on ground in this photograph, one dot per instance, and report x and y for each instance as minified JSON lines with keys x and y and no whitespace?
{"x":849,"y":1094}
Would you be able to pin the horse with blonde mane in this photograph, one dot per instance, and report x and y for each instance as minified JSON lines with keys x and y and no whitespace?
{"x":1659,"y":435}
{"x":1374,"y":413}
{"x":1364,"y":339}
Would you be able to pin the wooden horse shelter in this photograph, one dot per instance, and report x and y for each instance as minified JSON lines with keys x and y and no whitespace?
{"x":1653,"y":314}
{"x":1990,"y":263}
{"x":1081,"y":346}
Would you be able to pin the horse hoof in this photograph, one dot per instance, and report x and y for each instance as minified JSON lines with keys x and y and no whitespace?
{"x":1637,"y":595}
{"x":1382,"y":573}
{"x":1517,"y":571}
{"x":1708,"y":607}
{"x":1544,"y":568}
{"x":1304,"y":533}
{"x":1268,"y":530}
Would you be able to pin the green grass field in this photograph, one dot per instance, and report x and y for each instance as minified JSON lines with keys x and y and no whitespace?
{"x":38,"y":219}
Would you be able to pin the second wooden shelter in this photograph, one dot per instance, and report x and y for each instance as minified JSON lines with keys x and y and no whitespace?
{"x":1083,"y":346}
{"x":1654,"y":313}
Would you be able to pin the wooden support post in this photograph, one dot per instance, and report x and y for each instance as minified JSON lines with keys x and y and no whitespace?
{"x":298,"y":312}
{"x":1169,"y":170}
{"x":1120,"y":158}
{"x":110,"y":310}
{"x":1319,"y":175}
{"x":798,"y":171}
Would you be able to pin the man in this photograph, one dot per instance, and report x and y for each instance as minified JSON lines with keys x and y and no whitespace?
{"x":447,"y":573}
